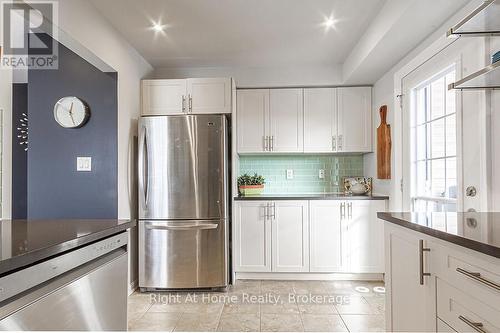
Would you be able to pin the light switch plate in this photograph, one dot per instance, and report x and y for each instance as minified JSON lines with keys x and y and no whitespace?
{"x":84,"y":164}
{"x":289,"y":174}
{"x":321,"y":174}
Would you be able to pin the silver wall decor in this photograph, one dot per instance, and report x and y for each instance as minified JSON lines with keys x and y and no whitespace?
{"x":22,"y":131}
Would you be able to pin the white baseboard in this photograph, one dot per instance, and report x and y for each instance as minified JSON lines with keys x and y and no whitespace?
{"x":132,"y":287}
{"x":311,"y":276}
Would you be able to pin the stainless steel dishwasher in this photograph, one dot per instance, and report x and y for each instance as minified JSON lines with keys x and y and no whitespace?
{"x":84,"y":289}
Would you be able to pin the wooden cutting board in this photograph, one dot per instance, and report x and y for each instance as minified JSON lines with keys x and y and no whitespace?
{"x":384,"y":146}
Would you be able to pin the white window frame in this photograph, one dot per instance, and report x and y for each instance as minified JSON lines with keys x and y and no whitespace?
{"x":413,"y":128}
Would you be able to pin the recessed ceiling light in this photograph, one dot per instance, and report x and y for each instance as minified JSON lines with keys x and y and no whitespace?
{"x":158,"y":27}
{"x":329,"y":22}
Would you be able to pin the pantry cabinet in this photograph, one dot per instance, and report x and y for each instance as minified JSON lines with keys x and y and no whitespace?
{"x":186,"y":96}
{"x":354,"y":119}
{"x":317,"y":236}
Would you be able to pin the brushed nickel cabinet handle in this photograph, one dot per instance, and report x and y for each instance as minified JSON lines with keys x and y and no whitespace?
{"x":476,"y":326}
{"x":183,"y":103}
{"x":421,"y":250}
{"x":349,"y":209}
{"x":266,"y":211}
{"x":190,"y":103}
{"x":272,"y":142}
{"x":274,"y":210}
{"x":342,"y":210}
{"x":477,"y":276}
{"x":266,"y":143}
{"x":334,"y":143}
{"x":341,"y":142}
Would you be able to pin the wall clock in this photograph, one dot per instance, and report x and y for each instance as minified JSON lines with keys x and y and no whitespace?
{"x":71,"y":112}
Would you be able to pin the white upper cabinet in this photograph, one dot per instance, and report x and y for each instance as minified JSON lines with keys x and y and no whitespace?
{"x":191,"y":96}
{"x":212,"y":95}
{"x":320,"y":120}
{"x":160,"y":97}
{"x":290,"y":241}
{"x":252,"y":237}
{"x":354,"y":119}
{"x":325,"y":236}
{"x":286,"y":120}
{"x":253,"y":118}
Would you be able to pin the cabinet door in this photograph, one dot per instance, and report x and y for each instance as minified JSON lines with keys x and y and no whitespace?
{"x":290,"y":237}
{"x":211,"y":95}
{"x":411,"y":307}
{"x":163,"y":97}
{"x":363,"y":237}
{"x":320,"y":120}
{"x":325,"y":236}
{"x":355,"y":120}
{"x":286,"y":121}
{"x":252,"y":119}
{"x":252,"y":237}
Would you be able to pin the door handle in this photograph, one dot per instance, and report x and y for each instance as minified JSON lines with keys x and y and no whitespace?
{"x":479,"y":278}
{"x":421,"y":250}
{"x":476,"y":326}
{"x":143,"y":166}
{"x":187,"y":226}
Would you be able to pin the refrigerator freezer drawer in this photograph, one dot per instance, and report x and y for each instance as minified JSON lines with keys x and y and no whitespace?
{"x":183,"y":254}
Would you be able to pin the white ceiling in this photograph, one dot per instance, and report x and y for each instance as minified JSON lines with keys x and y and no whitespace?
{"x":249,"y":33}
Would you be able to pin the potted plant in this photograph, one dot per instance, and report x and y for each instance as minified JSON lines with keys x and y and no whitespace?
{"x":250,"y":185}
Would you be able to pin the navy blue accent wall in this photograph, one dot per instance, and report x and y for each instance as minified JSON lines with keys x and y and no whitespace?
{"x":19,"y":156}
{"x":55,"y":188}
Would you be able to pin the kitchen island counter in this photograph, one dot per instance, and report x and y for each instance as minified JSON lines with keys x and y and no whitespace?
{"x":476,"y":231}
{"x":25,"y":242}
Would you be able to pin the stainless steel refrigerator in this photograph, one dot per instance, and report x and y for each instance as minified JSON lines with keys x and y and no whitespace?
{"x":183,"y":202}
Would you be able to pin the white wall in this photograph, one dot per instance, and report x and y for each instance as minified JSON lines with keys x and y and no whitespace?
{"x":84,"y":23}
{"x":385,"y":90}
{"x":260,"y":77}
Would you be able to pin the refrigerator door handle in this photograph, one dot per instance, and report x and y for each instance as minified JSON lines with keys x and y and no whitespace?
{"x":187,"y":226}
{"x":143,"y":166}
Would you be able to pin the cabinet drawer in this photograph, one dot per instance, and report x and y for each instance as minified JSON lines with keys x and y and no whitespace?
{"x":465,"y":313}
{"x":478,"y":277}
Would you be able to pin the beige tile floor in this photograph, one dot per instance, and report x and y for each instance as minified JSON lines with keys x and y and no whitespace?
{"x":265,"y":306}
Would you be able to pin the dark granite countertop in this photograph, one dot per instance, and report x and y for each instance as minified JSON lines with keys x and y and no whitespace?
{"x":476,"y":231}
{"x":319,"y":196}
{"x":24,"y":242}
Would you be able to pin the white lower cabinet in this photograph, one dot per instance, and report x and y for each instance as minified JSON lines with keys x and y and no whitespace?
{"x":325,"y":236}
{"x":252,"y":237}
{"x":411,"y":302}
{"x":317,"y":236}
{"x":290,"y":233}
{"x":458,"y":293}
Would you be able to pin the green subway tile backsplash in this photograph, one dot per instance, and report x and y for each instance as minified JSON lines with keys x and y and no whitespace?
{"x":306,"y":172}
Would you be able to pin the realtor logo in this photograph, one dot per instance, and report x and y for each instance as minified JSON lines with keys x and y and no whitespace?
{"x":29,"y":35}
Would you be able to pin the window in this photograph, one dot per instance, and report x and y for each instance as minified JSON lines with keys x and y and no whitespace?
{"x":434,"y":145}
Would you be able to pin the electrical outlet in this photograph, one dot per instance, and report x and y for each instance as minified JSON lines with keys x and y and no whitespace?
{"x":289,"y":174}
{"x":321,"y":174}
{"x":84,"y":164}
